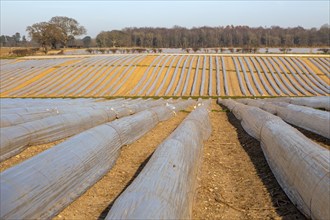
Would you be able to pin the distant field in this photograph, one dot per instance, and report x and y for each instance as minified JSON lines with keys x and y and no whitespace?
{"x":165,"y":75}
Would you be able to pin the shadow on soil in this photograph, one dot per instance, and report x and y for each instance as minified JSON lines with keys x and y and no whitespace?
{"x":284,"y":207}
{"x":107,"y":209}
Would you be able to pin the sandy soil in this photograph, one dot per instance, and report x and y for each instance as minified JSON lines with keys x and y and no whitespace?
{"x":235,"y":181}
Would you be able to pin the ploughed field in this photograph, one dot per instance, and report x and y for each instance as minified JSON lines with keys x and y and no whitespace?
{"x":166,"y":75}
{"x":124,"y":158}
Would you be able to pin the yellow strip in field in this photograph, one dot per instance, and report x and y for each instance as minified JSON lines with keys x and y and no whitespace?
{"x":33,"y":79}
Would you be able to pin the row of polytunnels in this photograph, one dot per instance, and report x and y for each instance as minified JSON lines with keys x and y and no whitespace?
{"x":95,"y":131}
{"x":166,"y":75}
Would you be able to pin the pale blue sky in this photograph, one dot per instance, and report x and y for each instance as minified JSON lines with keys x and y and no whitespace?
{"x":108,"y":15}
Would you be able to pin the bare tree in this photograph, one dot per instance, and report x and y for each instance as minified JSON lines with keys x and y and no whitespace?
{"x":46,"y":34}
{"x":58,"y":31}
{"x":69,"y":26}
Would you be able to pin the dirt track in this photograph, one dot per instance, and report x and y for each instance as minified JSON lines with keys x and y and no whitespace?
{"x":235,"y":181}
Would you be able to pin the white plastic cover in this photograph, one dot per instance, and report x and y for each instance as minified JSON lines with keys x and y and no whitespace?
{"x":246,"y":78}
{"x":43,"y":185}
{"x":201,"y":89}
{"x":174,"y":75}
{"x":313,"y":102}
{"x":16,"y":138}
{"x":166,"y":76}
{"x":313,"y":120}
{"x":181,"y":77}
{"x":239,"y":77}
{"x":195,"y":80}
{"x":165,"y":188}
{"x":185,"y":87}
{"x":18,"y":115}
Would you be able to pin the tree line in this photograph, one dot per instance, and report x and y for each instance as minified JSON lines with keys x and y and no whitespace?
{"x":62,"y":31}
{"x":207,"y":37}
{"x":13,"y":41}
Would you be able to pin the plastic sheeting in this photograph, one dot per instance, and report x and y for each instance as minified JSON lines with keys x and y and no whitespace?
{"x":15,"y":116}
{"x":278,"y":82}
{"x":319,"y":80}
{"x":284,"y":81}
{"x":185,"y":87}
{"x":225,"y":81}
{"x":43,"y":185}
{"x":154,"y":82}
{"x":322,"y":102}
{"x":269,"y":79}
{"x":301,"y":166}
{"x":253,"y":76}
{"x":31,"y":102}
{"x":201,"y":89}
{"x":123,"y":79}
{"x":174,"y":75}
{"x":239,"y":77}
{"x":307,"y":76}
{"x":324,"y":69}
{"x":166,"y":76}
{"x":310,"y":119}
{"x":289,"y":76}
{"x":165,"y":188}
{"x":262,"y":80}
{"x":141,"y":91}
{"x":218,"y":76}
{"x":195,"y":80}
{"x":181,"y":77}
{"x":210,"y":77}
{"x":120,"y":74}
{"x":133,"y":92}
{"x":247,"y":81}
{"x":16,"y":138}
{"x":288,"y":64}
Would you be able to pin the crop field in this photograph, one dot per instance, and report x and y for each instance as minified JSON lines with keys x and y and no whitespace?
{"x":97,"y":158}
{"x":167,"y":136}
{"x":171,"y":75}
